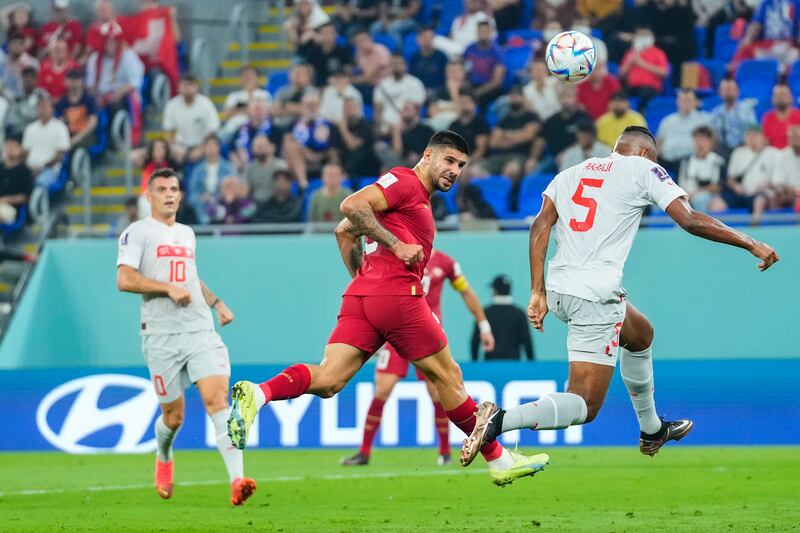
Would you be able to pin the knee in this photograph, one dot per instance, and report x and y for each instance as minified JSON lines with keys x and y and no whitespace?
{"x":382,"y":392}
{"x":592,"y":408}
{"x":216,"y":403}
{"x":173,"y":419}
{"x":329,"y":389}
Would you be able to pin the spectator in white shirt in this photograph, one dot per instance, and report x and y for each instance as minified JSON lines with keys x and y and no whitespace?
{"x":234,"y":111}
{"x":338,"y":90}
{"x":586,"y":146}
{"x":393,"y":92}
{"x":750,"y":172}
{"x":542,"y":90}
{"x":464,"y":30}
{"x":786,"y":180}
{"x":46,"y":141}
{"x":188,"y":118}
{"x":12,"y":65}
{"x":674,"y":136}
{"x":701,"y":175}
{"x":23,"y":110}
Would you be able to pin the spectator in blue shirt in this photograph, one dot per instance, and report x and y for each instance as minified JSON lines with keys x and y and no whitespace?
{"x":78,"y":110}
{"x":428,"y":63}
{"x":485,"y":67}
{"x":206,"y":178}
{"x":773,"y":33}
{"x":308,"y":143}
{"x":259,"y":123}
{"x":732,"y":117}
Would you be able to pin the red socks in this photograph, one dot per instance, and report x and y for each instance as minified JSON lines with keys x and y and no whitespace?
{"x":290,"y":383}
{"x":463,"y":417}
{"x":442,"y":428}
{"x":371,"y":425}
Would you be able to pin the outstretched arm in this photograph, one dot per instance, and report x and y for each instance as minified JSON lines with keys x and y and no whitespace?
{"x":360,"y":208}
{"x":223,"y":313}
{"x":131,"y":280}
{"x":540,"y":238}
{"x":350,"y":246}
{"x":712,"y":229}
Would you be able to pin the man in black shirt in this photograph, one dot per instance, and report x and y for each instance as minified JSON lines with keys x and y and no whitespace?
{"x":16,"y":180}
{"x":352,"y":139}
{"x":558,"y":132}
{"x":410,"y":137}
{"x":282,"y":207}
{"x":427,"y":63}
{"x":514,"y":135}
{"x":325,"y":55}
{"x":471,"y":126}
{"x":509,"y":326}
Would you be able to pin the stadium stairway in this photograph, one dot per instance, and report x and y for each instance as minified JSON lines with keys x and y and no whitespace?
{"x":108,"y":191}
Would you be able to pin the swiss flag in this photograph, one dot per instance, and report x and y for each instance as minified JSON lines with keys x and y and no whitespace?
{"x":150,"y":34}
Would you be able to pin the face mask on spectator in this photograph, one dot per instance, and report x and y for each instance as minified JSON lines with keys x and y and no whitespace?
{"x":586,"y":30}
{"x":643,"y":42}
{"x":548,"y":34}
{"x":515,"y":106}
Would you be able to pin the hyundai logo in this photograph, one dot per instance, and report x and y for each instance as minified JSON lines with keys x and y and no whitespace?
{"x":85,"y":417}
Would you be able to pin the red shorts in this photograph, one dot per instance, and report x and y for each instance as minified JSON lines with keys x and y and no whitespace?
{"x":390,"y":362}
{"x":367,"y":322}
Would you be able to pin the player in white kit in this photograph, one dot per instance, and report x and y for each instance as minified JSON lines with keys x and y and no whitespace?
{"x":157,"y":260}
{"x":596,"y":208}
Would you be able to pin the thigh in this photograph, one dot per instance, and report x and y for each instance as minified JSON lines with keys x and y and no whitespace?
{"x":408,"y":323}
{"x":589,"y":380}
{"x":390,"y":362}
{"x":593,"y":329}
{"x":354,"y":329}
{"x":166,"y":366}
{"x":206,"y":355}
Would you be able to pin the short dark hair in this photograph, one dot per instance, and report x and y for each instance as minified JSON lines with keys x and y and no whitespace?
{"x":75,"y":73}
{"x":132,"y":201}
{"x":466,"y":92}
{"x":16,"y":36}
{"x":188,"y":76}
{"x":29,"y":71}
{"x":163,"y":173}
{"x":282,"y":174}
{"x":212,"y":137}
{"x":705,"y":131}
{"x":448,"y":139}
{"x":587,"y":126}
{"x":483,"y":23}
{"x":639,"y":131}
{"x":399,"y":54}
{"x":619,"y":95}
{"x":328,"y":24}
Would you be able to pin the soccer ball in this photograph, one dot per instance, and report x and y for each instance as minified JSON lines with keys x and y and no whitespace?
{"x":570,"y":56}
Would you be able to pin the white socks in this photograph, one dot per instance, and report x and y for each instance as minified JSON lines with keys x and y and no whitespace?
{"x":504,"y":462}
{"x":556,"y":410}
{"x":232,"y":456}
{"x":164,"y":438}
{"x":636,"y":369}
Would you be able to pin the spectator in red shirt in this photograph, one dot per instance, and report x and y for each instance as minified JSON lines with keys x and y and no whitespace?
{"x":644,"y":67}
{"x":54,"y":70}
{"x":776,"y":122}
{"x":17,"y":20}
{"x":61,"y":26}
{"x":104,"y":11}
{"x":595,"y":94}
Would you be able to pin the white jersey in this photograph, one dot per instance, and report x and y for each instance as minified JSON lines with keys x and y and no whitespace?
{"x":600,"y":203}
{"x":166,"y":254}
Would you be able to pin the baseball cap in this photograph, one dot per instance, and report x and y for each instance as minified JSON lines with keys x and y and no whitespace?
{"x":501,"y":284}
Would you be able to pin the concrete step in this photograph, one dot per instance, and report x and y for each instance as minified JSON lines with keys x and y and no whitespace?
{"x":111,"y":209}
{"x":255,"y":47}
{"x":107,"y":192}
{"x":269,"y":64}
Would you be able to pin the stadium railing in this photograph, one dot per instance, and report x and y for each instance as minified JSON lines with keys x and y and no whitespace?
{"x":121,"y":137}
{"x":81,"y":172}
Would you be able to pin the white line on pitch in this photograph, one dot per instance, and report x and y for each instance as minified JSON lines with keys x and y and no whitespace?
{"x":278,"y":479}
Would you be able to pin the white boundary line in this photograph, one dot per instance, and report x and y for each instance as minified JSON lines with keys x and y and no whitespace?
{"x":278,"y":479}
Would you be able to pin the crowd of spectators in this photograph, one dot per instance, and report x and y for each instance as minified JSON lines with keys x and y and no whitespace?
{"x":372,"y":79}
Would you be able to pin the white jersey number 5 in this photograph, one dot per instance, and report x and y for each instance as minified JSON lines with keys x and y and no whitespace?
{"x":588,"y":203}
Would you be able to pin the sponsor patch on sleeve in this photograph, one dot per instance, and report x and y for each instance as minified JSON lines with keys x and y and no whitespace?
{"x":387,"y":180}
{"x":123,"y":241}
{"x":660,"y":173}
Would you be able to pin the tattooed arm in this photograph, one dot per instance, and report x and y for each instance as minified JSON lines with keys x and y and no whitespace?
{"x":360,"y":208}
{"x":540,"y":238}
{"x":350,"y":246}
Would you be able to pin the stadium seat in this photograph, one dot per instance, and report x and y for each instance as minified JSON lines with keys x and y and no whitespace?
{"x":450,"y":10}
{"x":313,"y":185}
{"x":410,"y":45}
{"x":710,"y":102}
{"x":101,"y":135}
{"x":793,"y":79}
{"x":450,"y":199}
{"x":7,"y":230}
{"x":277,"y":79}
{"x":757,"y":77}
{"x":528,"y":9}
{"x":495,"y":190}
{"x":785,"y":211}
{"x":520,"y":37}
{"x":716,"y":69}
{"x":700,"y":33}
{"x":657,"y":109}
{"x":530,"y":193}
{"x":386,"y":40}
{"x":724,"y":46}
{"x":517,"y":58}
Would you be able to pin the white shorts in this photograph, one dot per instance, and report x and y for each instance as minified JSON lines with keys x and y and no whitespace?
{"x":592,"y":327}
{"x":176,"y":361}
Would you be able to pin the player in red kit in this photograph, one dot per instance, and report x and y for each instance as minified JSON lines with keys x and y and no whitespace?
{"x":391,"y":368}
{"x":384,"y":303}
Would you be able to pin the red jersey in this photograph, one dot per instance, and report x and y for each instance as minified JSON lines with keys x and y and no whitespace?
{"x":638,"y":76}
{"x":71,"y":31}
{"x":53,"y":79}
{"x":410,"y":219}
{"x":439,"y":268}
{"x":777,"y":130}
{"x":596,"y":99}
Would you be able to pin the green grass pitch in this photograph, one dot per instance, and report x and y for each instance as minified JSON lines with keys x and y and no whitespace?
{"x":708,"y":489}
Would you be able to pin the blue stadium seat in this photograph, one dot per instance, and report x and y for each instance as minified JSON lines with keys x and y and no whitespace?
{"x":386,"y":40}
{"x":724,"y":46}
{"x":530,"y":193}
{"x":757,"y":77}
{"x":526,"y":35}
{"x":277,"y":79}
{"x":517,"y":59}
{"x":410,"y":45}
{"x":313,"y":185}
{"x":101,"y":134}
{"x":785,"y":211}
{"x":710,"y":102}
{"x":450,"y":199}
{"x":528,"y":9}
{"x":613,"y":68}
{"x":793,"y":78}
{"x":495,"y":190}
{"x":700,"y":33}
{"x":716,"y":69}
{"x":7,"y":230}
{"x":657,"y":109}
{"x":451,"y":9}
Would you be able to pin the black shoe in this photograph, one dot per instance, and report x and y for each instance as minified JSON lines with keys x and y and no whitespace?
{"x":444,"y":460}
{"x":358,"y":459}
{"x":676,"y":430}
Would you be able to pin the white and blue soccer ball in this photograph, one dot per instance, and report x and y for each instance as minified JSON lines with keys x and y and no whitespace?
{"x":570,"y":56}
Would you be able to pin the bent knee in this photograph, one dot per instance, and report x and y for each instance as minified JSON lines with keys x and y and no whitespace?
{"x":330,"y":389}
{"x":173,"y":419}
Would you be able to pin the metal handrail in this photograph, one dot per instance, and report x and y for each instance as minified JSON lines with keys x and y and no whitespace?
{"x":160,"y":90}
{"x":81,"y":171}
{"x":39,"y":204}
{"x":240,"y":31}
{"x":200,"y":62}
{"x":121,"y":135}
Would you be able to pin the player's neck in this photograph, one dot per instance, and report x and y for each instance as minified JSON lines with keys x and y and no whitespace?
{"x":421,"y":177}
{"x":170,"y":221}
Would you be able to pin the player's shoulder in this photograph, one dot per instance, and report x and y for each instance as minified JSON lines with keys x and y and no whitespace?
{"x":138,"y":228}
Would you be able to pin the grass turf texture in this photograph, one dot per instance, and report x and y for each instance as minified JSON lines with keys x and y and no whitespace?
{"x":583,"y":489}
